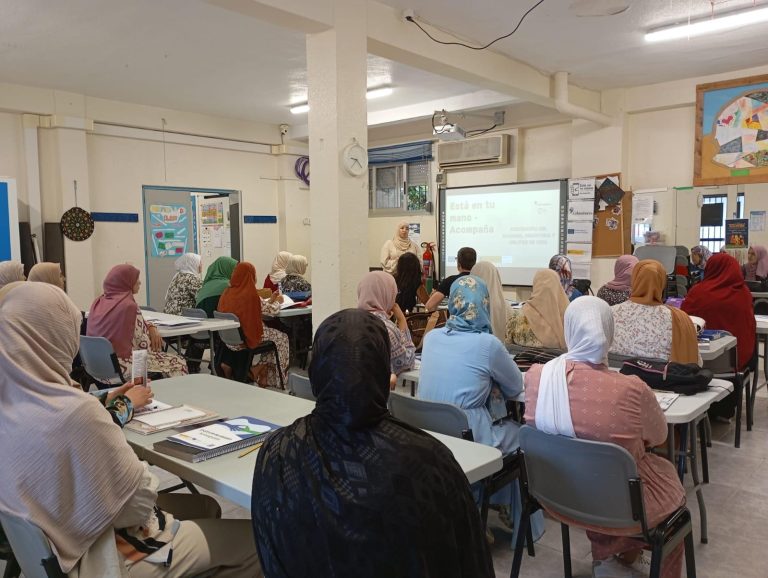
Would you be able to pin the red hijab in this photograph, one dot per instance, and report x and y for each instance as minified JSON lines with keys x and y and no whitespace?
{"x":242,"y":299}
{"x":113,"y":314}
{"x":724,"y":302}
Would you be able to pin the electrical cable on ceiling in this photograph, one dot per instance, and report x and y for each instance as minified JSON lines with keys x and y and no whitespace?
{"x":531,"y":9}
{"x":301,"y":168}
{"x":480,"y":131}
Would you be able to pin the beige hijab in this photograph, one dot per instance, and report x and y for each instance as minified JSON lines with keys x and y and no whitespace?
{"x":11,"y":271}
{"x":400,"y":243}
{"x":297,"y":265}
{"x":546,"y":308}
{"x":488,"y":272}
{"x":47,"y":273}
{"x":6,"y":288}
{"x":69,"y":469}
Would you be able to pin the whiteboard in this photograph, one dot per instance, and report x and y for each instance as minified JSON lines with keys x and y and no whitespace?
{"x":9,"y":221}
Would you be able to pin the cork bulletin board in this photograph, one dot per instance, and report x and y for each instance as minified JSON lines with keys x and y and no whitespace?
{"x":611,"y":235}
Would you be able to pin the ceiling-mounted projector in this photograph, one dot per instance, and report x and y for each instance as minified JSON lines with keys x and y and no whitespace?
{"x":449,"y":132}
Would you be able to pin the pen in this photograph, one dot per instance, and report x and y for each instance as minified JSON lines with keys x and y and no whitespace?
{"x":253,"y":448}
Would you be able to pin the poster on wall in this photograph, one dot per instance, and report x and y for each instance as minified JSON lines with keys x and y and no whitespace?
{"x":581,"y":189}
{"x":212,"y":213}
{"x":757,"y":220}
{"x":169,"y":230}
{"x":731,"y":145}
{"x":737,"y":233}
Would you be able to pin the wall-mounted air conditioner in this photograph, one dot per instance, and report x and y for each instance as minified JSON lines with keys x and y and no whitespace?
{"x":475,"y":152}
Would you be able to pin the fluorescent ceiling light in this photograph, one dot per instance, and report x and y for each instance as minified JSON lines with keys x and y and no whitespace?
{"x":372,"y":93}
{"x":698,"y":28}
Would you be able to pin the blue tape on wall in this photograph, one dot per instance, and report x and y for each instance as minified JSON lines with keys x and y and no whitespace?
{"x":5,"y":224}
{"x":250,"y":219}
{"x":115,"y":217}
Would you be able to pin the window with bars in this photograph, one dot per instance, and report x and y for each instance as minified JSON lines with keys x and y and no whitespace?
{"x":713,"y":237}
{"x":398,"y":187}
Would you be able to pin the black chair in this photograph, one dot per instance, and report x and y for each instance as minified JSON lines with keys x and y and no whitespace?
{"x":235,"y":338}
{"x":595,"y":484}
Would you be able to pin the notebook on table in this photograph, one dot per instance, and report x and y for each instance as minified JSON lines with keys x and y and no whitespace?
{"x":159,"y":416}
{"x":216,"y":439}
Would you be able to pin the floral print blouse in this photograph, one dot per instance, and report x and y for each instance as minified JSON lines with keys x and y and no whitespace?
{"x":294,"y":283}
{"x":519,"y":331}
{"x":612,"y":296}
{"x":402,"y":350}
{"x":181,"y":293}
{"x":642,"y":330}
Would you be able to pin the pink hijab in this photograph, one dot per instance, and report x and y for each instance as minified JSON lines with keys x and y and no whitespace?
{"x":761,"y":267}
{"x":377,"y":292}
{"x":113,"y":314}
{"x":622,"y":273}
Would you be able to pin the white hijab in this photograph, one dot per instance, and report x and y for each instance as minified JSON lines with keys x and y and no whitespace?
{"x":588,"y":335}
{"x":187,"y":264}
{"x":488,"y":272}
{"x":277,"y":273}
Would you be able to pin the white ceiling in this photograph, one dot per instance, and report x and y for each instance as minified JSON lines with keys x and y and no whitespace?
{"x":602,"y":52}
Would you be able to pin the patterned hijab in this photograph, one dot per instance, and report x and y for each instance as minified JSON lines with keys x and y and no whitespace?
{"x":56,"y":428}
{"x":47,"y":273}
{"x":469,"y":306}
{"x":11,"y":271}
{"x":703,"y":253}
{"x":359,"y":492}
{"x":377,"y":292}
{"x":216,"y":278}
{"x":278,"y":266}
{"x":622,"y":273}
{"x":113,"y":314}
{"x":561,"y":265}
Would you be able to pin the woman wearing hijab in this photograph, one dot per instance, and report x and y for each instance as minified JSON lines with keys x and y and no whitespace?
{"x":47,"y":273}
{"x":645,"y":327}
{"x":115,"y":316}
{"x":617,"y":291}
{"x":360,"y":493}
{"x":182,"y":290}
{"x":539,"y":322}
{"x":699,"y":257}
{"x":396,"y":246}
{"x":11,"y":271}
{"x":294,"y":281}
{"x":410,"y":289}
{"x":242,"y":299}
{"x":278,"y":271}
{"x":561,"y":265}
{"x":459,"y":365}
{"x":216,"y":281}
{"x":111,"y":525}
{"x":377,"y":293}
{"x":564,"y":397}
{"x":756,"y":268}
{"x":501,"y":311}
{"x":724,"y":302}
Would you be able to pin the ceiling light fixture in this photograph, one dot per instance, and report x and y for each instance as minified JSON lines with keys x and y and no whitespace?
{"x":728,"y":21}
{"x":379,"y":92}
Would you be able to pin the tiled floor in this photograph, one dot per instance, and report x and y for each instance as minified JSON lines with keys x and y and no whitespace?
{"x":737,"y":507}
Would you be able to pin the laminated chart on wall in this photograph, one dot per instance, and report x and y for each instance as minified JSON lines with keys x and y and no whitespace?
{"x":170,"y":230}
{"x":581,"y":209}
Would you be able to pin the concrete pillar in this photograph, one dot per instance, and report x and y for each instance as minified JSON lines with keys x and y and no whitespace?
{"x":336,"y":72}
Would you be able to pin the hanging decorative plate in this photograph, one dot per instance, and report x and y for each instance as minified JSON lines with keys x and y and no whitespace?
{"x":77,"y":224}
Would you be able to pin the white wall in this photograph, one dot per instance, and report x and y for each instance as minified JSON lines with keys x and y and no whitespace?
{"x":545,"y":153}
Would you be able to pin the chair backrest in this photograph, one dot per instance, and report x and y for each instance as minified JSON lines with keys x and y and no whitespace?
{"x":616,"y":360}
{"x":229,"y":336}
{"x":723,"y":364}
{"x":100,"y":361}
{"x":147,"y":308}
{"x":197,"y":314}
{"x":31,"y":548}
{"x":439,"y":417}
{"x":664,"y":254}
{"x":583,"y":480}
{"x":299,"y":385}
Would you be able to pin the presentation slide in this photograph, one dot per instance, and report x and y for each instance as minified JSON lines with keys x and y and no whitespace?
{"x":517,"y":227}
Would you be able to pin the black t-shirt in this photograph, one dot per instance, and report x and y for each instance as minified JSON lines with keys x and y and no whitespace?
{"x":445,"y":286}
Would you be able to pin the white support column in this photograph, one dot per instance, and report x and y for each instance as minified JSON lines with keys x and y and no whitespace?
{"x":32,"y":163}
{"x":336,"y":71}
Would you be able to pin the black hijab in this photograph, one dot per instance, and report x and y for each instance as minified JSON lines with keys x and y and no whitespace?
{"x":350,"y":491}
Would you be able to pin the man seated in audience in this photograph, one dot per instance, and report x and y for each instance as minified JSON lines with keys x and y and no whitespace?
{"x":465,"y":260}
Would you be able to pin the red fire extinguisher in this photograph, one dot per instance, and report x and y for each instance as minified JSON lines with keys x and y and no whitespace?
{"x":428,"y":269}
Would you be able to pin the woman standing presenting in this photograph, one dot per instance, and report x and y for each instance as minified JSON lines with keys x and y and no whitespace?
{"x":395,"y":247}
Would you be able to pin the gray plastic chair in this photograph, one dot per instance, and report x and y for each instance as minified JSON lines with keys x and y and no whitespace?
{"x":595,"y":484}
{"x":443,"y":418}
{"x":235,"y":338}
{"x":31,"y":548}
{"x":300,"y":386}
{"x":199,"y":336}
{"x":100,"y":361}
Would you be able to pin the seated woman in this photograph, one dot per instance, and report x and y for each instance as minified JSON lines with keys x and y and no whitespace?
{"x":617,"y":291}
{"x":459,"y":365}
{"x":277,"y":274}
{"x":216,"y":281}
{"x":561,"y":265}
{"x":501,"y":311}
{"x":564,"y":396}
{"x":377,"y":293}
{"x":10,"y":272}
{"x":756,"y":268}
{"x":47,"y":273}
{"x":539,"y":322}
{"x":117,"y":317}
{"x":410,"y":289}
{"x":645,"y":327}
{"x":112,"y":524}
{"x":699,"y":257}
{"x":336,"y":476}
{"x":724,"y":302}
{"x":294,"y":280}
{"x":242,"y":299}
{"x":182,"y":290}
